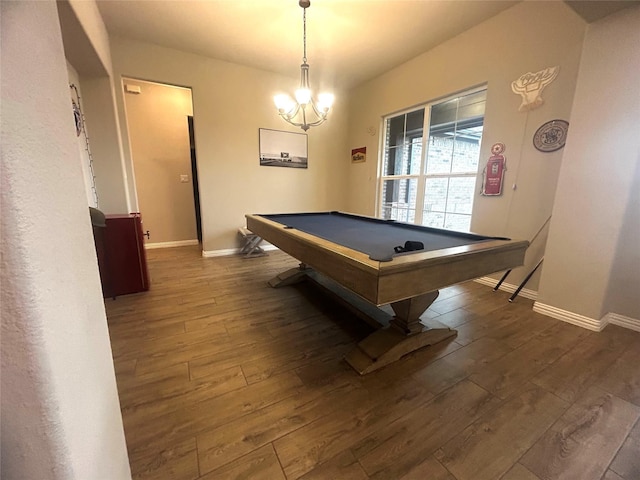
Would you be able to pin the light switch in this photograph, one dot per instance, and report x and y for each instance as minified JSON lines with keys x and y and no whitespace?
{"x":184,"y":178}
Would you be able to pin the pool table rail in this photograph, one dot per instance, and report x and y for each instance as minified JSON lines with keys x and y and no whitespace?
{"x":405,"y":276}
{"x":408,"y":276}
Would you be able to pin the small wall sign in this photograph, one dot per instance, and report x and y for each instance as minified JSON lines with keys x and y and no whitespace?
{"x":359,"y":155}
{"x":494,"y":171}
{"x":551,"y":136}
{"x":530,"y":86}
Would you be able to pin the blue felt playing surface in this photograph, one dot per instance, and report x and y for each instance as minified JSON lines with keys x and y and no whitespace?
{"x":375,"y":237}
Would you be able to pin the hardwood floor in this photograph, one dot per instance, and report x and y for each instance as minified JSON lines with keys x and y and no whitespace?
{"x":223,"y":377}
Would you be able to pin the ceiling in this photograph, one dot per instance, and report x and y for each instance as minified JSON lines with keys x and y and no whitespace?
{"x":595,"y":10}
{"x":348,"y":41}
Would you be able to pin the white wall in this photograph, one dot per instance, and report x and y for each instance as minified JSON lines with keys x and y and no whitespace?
{"x":599,"y":168}
{"x":102,"y":119}
{"x":624,"y":285}
{"x":230,"y":103}
{"x":86,"y":45}
{"x":60,"y":411}
{"x":525,"y":38}
{"x":89,"y":185}
{"x":90,"y":19}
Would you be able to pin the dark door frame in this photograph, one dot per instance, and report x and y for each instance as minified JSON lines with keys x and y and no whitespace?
{"x":194,"y":178}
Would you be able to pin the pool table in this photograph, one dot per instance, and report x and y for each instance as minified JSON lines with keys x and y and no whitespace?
{"x":358,"y":253}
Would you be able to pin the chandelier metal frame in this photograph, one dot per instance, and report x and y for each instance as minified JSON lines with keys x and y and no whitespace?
{"x":296,"y":112}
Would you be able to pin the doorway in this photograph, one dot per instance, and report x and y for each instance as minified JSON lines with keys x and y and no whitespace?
{"x":161,"y":132}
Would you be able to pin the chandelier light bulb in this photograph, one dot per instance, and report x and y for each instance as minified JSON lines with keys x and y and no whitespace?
{"x":303,"y":96}
{"x":325,"y":101}
{"x":284,"y":103}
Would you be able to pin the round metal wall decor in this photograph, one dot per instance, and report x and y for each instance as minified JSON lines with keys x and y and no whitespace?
{"x":551,"y":136}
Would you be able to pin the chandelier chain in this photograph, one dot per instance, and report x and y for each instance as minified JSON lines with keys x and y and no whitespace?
{"x":304,"y":35}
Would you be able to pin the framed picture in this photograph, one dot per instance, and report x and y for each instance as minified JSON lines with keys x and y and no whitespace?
{"x":283,"y":149}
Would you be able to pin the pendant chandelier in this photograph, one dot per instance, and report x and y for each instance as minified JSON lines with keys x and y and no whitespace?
{"x":304,"y":112}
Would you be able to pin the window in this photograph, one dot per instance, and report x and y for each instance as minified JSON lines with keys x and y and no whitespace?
{"x":431,"y":179}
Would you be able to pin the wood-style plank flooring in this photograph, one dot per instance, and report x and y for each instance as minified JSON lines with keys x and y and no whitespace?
{"x":223,"y":377}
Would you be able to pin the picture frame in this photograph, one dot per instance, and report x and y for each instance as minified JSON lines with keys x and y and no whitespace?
{"x":278,"y":148}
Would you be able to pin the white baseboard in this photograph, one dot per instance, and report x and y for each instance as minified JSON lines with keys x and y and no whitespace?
{"x":622,"y":321}
{"x":233,"y":251}
{"x":569,"y":317}
{"x":179,"y":243}
{"x":220,"y":253}
{"x":507,"y":287}
{"x":587,"y":322}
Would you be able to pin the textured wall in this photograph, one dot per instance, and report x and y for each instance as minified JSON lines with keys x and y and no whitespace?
{"x":60,"y":411}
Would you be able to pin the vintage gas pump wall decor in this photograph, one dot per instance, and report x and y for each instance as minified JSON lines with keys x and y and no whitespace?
{"x":494,"y":171}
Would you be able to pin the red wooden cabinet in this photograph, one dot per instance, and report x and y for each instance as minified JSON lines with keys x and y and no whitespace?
{"x":122,"y":262}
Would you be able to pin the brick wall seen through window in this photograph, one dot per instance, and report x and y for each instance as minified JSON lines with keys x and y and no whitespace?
{"x":436,"y":188}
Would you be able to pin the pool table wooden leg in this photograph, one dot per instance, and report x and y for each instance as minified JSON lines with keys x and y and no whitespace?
{"x":290,"y":277}
{"x":408,"y":312}
{"x":405,"y":334}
